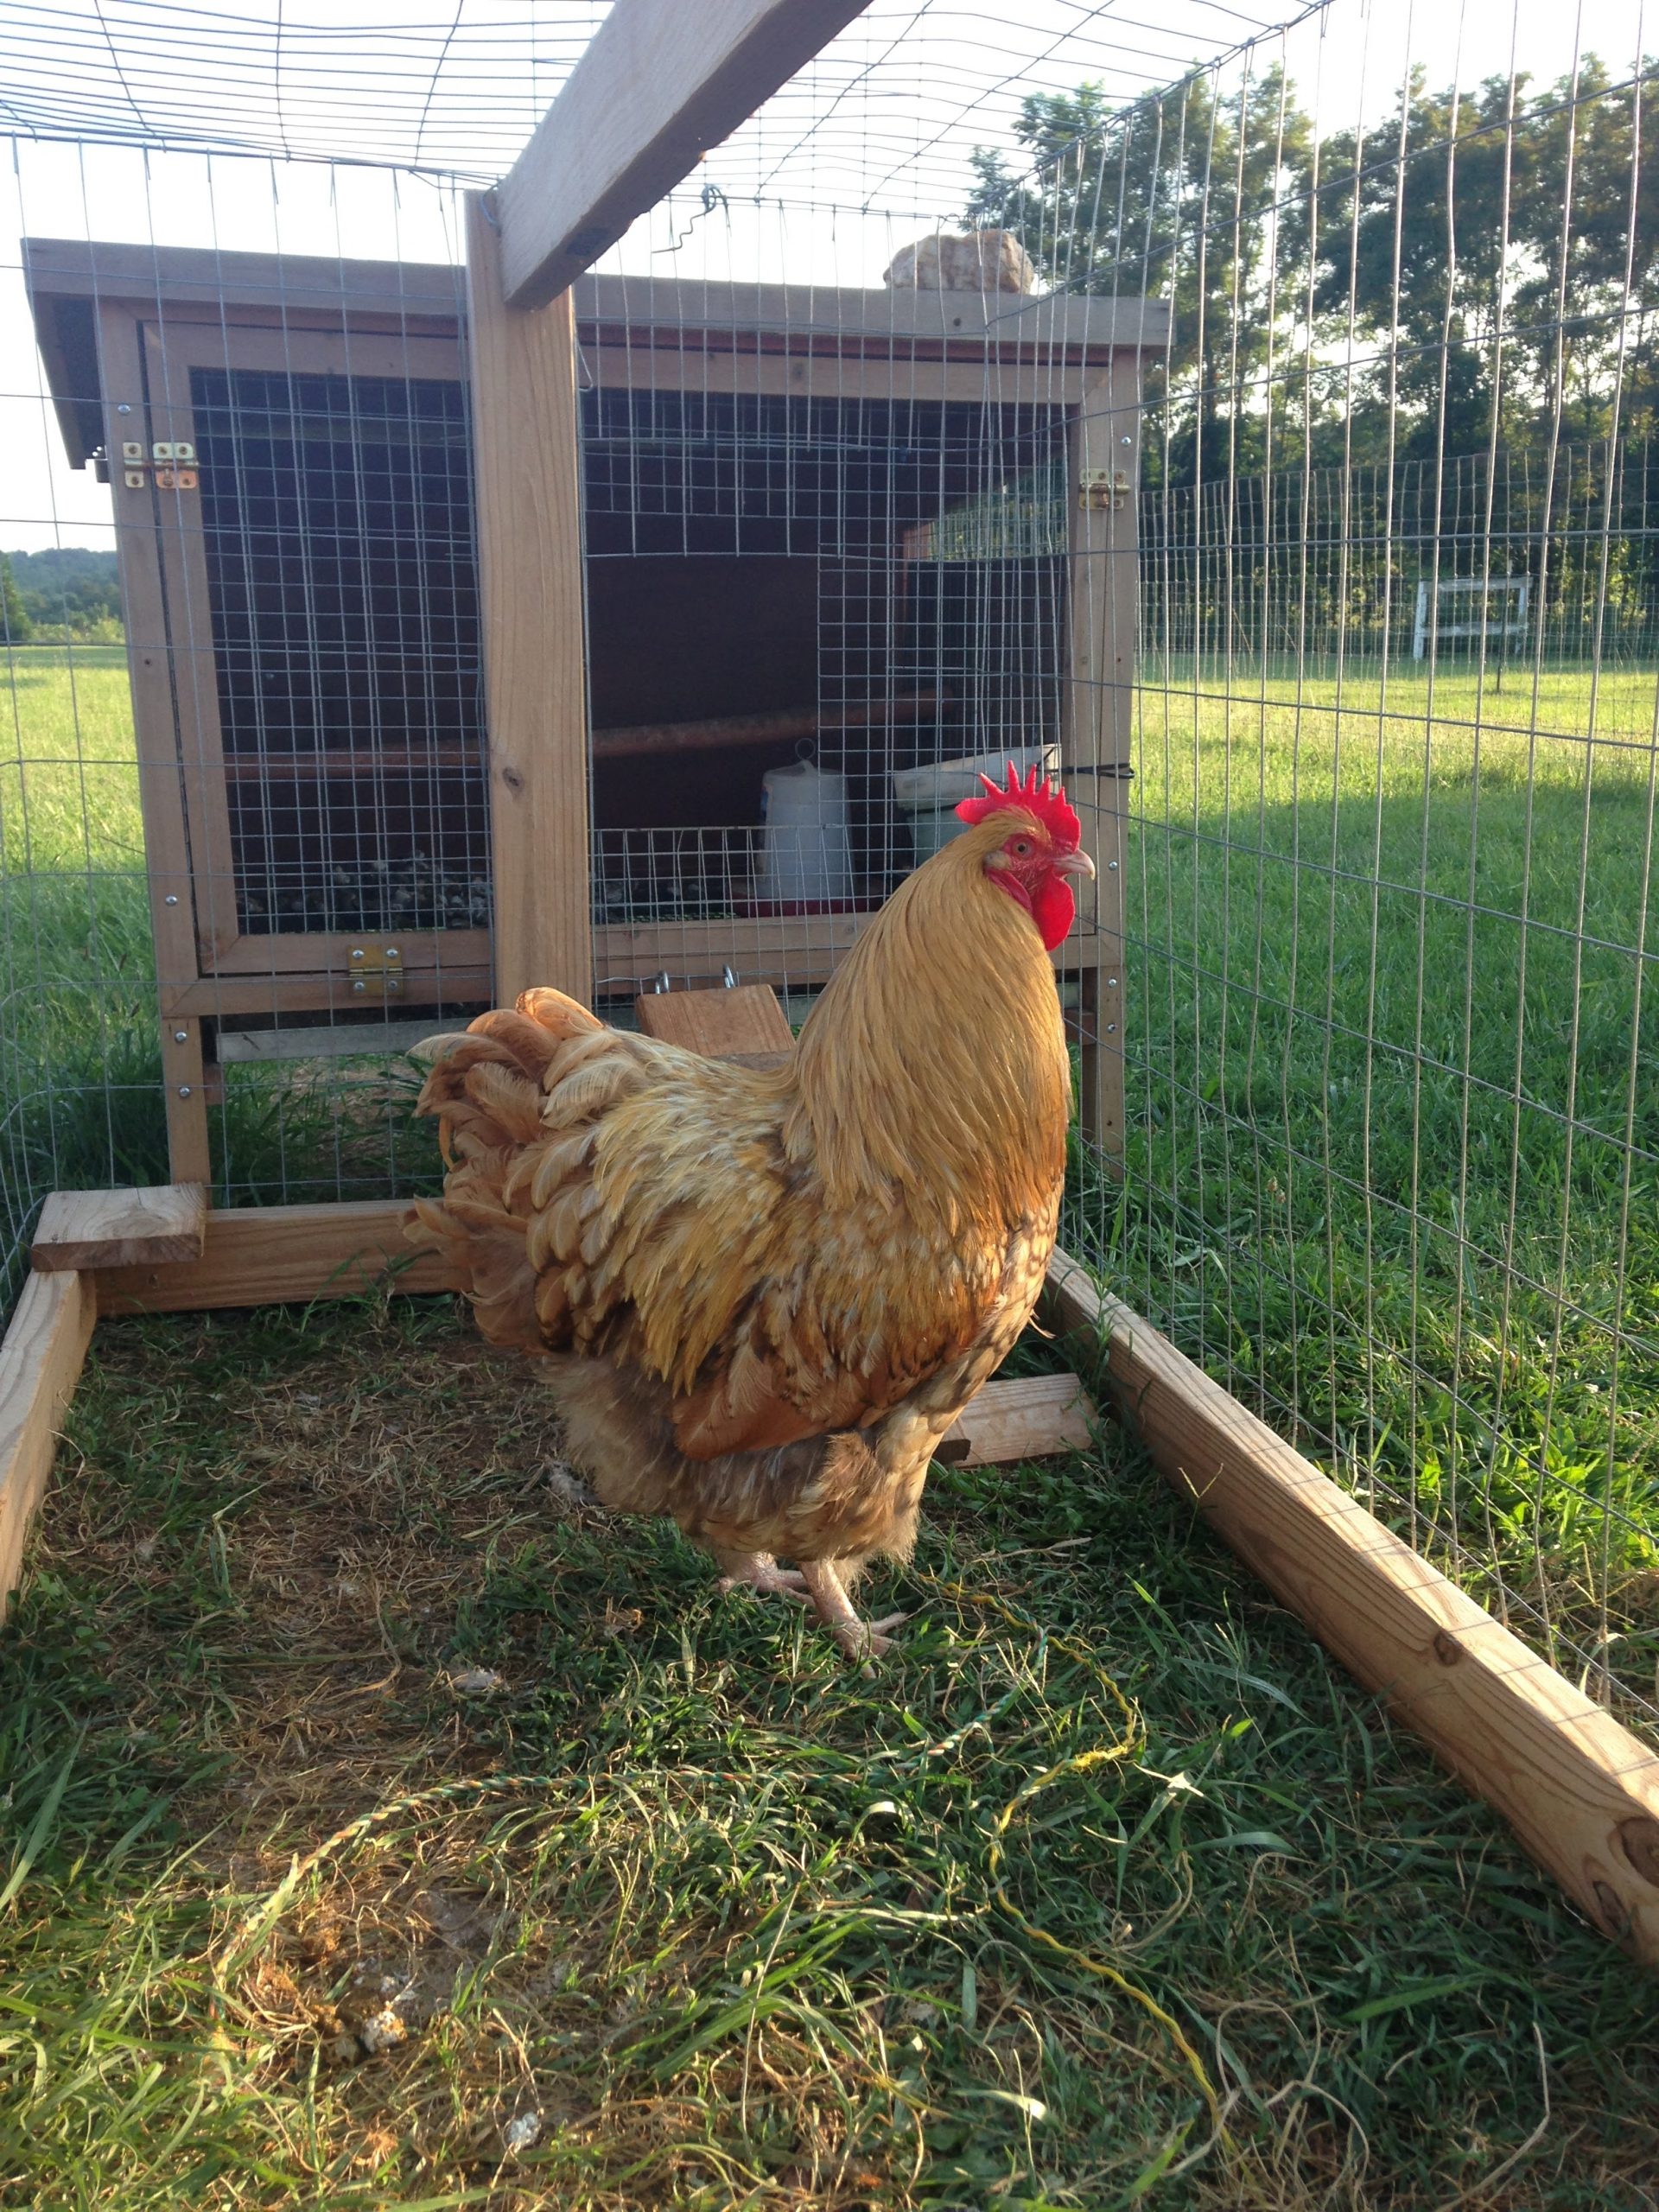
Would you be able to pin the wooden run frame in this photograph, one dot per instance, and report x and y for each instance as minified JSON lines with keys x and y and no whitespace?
{"x":1580,"y":1792}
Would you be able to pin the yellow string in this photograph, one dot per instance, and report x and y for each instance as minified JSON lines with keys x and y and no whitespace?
{"x":1105,"y":1755}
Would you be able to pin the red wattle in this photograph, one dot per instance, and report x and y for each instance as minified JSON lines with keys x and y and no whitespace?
{"x":1053,"y":909}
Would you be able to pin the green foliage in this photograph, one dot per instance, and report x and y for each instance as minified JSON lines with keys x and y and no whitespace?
{"x":1348,"y":294}
{"x":67,"y":592}
{"x":16,"y":627}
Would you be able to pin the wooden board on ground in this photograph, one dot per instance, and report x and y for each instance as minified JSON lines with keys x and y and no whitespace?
{"x":113,"y":1228}
{"x":41,"y":1360}
{"x":745,"y":1023}
{"x":1027,"y":1417}
{"x":1579,"y":1791}
{"x":266,"y":1255}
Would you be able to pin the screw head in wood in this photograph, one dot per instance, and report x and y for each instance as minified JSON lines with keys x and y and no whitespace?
{"x":184,"y":1090}
{"x":180,"y":1036}
{"x":171,"y":899}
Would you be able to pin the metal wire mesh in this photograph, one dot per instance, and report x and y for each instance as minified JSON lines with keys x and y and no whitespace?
{"x":1371,"y":619}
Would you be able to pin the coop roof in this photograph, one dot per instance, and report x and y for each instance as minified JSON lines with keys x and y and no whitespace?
{"x":67,"y":279}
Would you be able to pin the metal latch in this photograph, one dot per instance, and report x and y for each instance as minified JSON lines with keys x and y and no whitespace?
{"x":376,"y":971}
{"x":173,"y":460}
{"x":1103,"y":487}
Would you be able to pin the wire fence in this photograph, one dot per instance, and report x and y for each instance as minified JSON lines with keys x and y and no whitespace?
{"x":1387,"y":1157}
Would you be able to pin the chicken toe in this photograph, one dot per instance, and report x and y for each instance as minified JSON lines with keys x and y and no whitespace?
{"x":760,"y":1571}
{"x":858,"y":1638}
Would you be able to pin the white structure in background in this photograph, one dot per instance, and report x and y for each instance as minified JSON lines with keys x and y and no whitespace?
{"x":1492,"y":608}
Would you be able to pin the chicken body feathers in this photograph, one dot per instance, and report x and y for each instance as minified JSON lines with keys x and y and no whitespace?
{"x":766,"y":1300}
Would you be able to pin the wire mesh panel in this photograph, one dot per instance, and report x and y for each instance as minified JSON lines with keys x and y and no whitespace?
{"x":1392,"y":1052}
{"x":342,"y":601}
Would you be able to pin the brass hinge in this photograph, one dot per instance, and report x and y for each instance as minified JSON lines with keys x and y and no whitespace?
{"x":1103,"y":487}
{"x":376,"y":971}
{"x":173,"y":460}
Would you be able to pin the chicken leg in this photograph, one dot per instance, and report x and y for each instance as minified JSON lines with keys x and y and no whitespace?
{"x":858,"y":1638}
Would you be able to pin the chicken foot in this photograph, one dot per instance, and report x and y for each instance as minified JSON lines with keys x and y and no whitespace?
{"x":760,"y":1572}
{"x":858,"y":1638}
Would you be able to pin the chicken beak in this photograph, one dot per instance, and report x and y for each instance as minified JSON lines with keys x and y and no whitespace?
{"x":1077,"y":863}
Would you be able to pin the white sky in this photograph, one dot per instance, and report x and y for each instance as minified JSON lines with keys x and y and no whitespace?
{"x":873,"y":124}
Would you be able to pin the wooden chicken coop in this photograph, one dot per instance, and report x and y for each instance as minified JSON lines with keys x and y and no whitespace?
{"x":293,"y":448}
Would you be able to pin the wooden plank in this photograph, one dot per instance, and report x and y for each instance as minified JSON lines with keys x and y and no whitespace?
{"x":467,"y":983}
{"x":151,"y":1225}
{"x":743,"y":1023}
{"x":1580,"y":1792}
{"x":659,"y":84}
{"x":186,"y":1094}
{"x":527,"y":471}
{"x":291,"y":952}
{"x":269,"y":1255}
{"x":792,"y":951}
{"x":41,"y":1360}
{"x":884,"y":373}
{"x":1025,"y":1417}
{"x":408,"y":295}
{"x":161,"y":789}
{"x":340,"y":1040}
{"x":1096,"y":727}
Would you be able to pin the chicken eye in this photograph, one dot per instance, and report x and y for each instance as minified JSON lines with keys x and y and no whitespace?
{"x":1020,"y":847}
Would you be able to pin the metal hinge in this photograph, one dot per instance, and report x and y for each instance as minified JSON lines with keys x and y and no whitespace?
{"x":1103,"y":487}
{"x":376,"y":971}
{"x":173,"y":460}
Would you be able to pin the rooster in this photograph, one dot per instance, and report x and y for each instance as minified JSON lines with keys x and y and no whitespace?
{"x":764,"y":1295}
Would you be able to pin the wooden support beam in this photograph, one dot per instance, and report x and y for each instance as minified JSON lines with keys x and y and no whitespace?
{"x":660,"y":83}
{"x":41,"y":1360}
{"x":1025,"y":1417}
{"x":267,"y":1256}
{"x":526,"y":469}
{"x":1097,"y":729}
{"x":152,"y":1227}
{"x":1579,"y":1791}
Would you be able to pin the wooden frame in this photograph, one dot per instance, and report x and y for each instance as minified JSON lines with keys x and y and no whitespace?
{"x":527,"y":476}
{"x":1580,"y":1792}
{"x":658,"y":83}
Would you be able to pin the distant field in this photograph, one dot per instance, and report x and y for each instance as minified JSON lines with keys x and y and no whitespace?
{"x":1393,"y":1026}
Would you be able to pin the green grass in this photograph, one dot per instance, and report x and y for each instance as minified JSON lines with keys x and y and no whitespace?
{"x":738,"y":1935}
{"x":1395,"y":1163}
{"x":80,"y":1070}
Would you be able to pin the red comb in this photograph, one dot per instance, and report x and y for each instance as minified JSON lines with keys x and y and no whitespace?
{"x":1036,"y":796}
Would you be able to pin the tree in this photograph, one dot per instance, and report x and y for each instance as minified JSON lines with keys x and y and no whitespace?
{"x":1179,"y":196}
{"x":15,"y":628}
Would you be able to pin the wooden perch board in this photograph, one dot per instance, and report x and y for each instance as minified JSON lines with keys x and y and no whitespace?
{"x":41,"y":1360}
{"x":1579,"y":1791}
{"x":661,"y":82}
{"x":1026,"y":1417}
{"x":745,"y":1023}
{"x":112,"y":1228}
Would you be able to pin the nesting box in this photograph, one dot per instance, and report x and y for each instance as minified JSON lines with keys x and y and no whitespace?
{"x":846,"y":533}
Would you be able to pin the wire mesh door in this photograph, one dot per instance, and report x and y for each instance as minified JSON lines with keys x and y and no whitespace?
{"x":321,"y":593}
